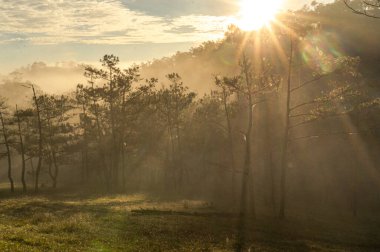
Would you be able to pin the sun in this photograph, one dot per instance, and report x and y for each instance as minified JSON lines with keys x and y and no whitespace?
{"x":255,"y":14}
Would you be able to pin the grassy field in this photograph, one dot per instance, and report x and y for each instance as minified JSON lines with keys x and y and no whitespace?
{"x":69,"y":222}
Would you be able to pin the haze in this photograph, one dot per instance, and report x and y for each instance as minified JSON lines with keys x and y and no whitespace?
{"x":213,"y":125}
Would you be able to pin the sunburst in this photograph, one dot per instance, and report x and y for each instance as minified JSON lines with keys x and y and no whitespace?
{"x":254,"y":14}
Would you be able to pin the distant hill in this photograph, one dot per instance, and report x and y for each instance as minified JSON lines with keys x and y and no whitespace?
{"x":197,"y":66}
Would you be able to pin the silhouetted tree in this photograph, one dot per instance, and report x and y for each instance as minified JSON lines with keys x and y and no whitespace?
{"x":22,"y":149}
{"x":172,"y":103}
{"x":6,"y":143}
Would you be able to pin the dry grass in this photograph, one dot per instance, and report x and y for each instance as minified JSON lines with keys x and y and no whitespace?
{"x":70,"y":222}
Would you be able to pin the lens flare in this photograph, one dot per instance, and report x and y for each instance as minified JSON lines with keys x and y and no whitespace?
{"x":320,"y":51}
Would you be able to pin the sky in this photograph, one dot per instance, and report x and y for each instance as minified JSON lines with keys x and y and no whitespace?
{"x":83,"y":31}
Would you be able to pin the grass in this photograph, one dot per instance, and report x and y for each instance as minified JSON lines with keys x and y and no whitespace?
{"x":70,"y":222}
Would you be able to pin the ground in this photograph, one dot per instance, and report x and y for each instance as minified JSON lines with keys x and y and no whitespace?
{"x":69,"y":221}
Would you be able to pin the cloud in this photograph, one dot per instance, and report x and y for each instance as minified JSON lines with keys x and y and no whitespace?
{"x":170,"y":8}
{"x":111,"y":21}
{"x":182,"y":29}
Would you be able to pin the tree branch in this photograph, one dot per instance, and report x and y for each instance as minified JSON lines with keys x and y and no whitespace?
{"x":303,"y":104}
{"x":318,"y":118}
{"x":360,"y":12}
{"x":309,"y":82}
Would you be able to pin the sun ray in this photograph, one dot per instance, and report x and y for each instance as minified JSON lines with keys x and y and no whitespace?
{"x":242,"y":45}
{"x":279,"y":49}
{"x":285,"y":28}
{"x":257,"y":52}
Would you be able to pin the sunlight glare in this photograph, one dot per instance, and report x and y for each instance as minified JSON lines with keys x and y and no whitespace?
{"x":255,"y":14}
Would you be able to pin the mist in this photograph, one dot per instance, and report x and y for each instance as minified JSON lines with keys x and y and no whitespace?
{"x":260,"y":140}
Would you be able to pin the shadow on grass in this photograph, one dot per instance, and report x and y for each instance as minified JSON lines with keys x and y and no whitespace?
{"x":171,"y":230}
{"x":117,"y":228}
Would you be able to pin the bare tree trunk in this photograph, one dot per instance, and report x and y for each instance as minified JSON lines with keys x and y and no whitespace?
{"x":230,"y":143}
{"x":22,"y":152}
{"x":178,"y":163}
{"x":56,"y":169}
{"x":171,"y":154}
{"x":50,"y":171}
{"x":53,"y":162}
{"x":123,"y":140}
{"x":272,"y":183}
{"x":268,"y":163}
{"x":33,"y":171}
{"x":39,"y":164}
{"x":179,"y":159}
{"x":85,"y":172}
{"x":123,"y":174}
{"x":100,"y":137}
{"x":115,"y":153}
{"x":5,"y":135}
{"x":248,"y":137}
{"x":247,"y":179}
{"x":284,"y":155}
{"x":52,"y":154}
{"x":248,"y":161}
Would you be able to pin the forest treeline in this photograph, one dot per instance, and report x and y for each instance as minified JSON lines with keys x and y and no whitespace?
{"x":294,"y":125}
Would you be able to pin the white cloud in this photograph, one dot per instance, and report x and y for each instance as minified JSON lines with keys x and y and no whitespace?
{"x":97,"y":22}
